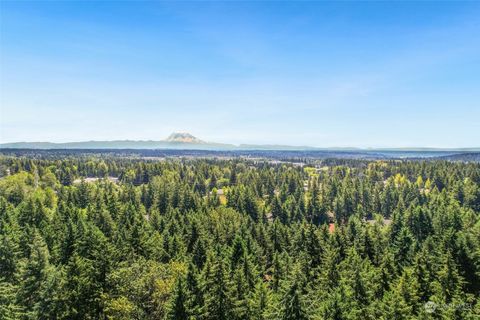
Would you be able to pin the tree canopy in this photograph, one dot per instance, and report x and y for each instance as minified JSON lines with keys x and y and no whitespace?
{"x":104,"y":237}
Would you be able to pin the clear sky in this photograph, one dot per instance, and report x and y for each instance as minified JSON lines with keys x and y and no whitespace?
{"x":362,"y":74}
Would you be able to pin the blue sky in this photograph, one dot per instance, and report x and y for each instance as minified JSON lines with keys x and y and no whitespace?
{"x":363,"y":74}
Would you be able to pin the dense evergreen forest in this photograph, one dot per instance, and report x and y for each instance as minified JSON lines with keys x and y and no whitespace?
{"x":102,"y":237}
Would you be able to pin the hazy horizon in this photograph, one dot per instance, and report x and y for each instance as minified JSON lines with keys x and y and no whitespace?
{"x":365,"y":75}
{"x":248,"y":144}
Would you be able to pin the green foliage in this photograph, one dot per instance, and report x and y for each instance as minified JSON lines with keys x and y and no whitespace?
{"x":178,"y":308}
{"x":238,"y":239}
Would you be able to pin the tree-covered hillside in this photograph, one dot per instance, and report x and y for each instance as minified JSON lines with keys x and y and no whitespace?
{"x":103,"y":237}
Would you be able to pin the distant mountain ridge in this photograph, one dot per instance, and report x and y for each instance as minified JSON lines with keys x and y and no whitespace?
{"x":177,"y":140}
{"x":186,"y":141}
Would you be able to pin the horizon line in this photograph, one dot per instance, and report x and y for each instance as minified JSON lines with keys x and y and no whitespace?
{"x":404,"y":148}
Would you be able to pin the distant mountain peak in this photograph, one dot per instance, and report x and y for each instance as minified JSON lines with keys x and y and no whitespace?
{"x":183,"y":137}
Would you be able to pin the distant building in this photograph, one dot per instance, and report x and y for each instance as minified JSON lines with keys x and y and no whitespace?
{"x":331,"y":228}
{"x":92,"y":180}
{"x":331,"y":216}
{"x":219,"y":192}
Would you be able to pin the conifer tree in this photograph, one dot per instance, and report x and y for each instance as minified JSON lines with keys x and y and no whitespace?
{"x":217,"y":298}
{"x":292,"y":304}
{"x":33,"y":276}
{"x":178,"y":307}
